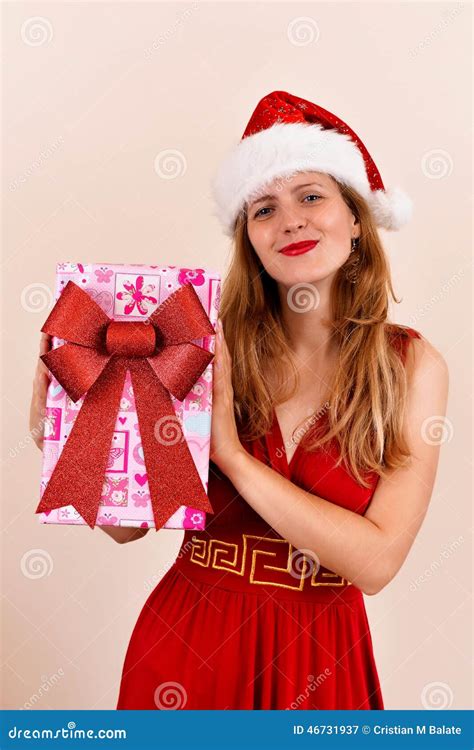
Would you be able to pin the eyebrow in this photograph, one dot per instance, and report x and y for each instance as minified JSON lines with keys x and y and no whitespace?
{"x":298,"y":187}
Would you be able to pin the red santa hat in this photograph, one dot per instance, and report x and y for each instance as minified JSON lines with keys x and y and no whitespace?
{"x":286,"y":135}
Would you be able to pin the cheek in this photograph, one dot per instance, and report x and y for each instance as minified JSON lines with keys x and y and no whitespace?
{"x":261,"y":239}
{"x":334,"y":221}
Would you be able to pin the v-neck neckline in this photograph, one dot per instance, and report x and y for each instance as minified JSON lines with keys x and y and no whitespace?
{"x":278,"y":438}
{"x":277,"y":430}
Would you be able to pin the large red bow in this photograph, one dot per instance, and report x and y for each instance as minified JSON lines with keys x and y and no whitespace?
{"x":161,"y":359}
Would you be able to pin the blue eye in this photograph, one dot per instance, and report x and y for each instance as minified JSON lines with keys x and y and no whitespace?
{"x":259,"y":213}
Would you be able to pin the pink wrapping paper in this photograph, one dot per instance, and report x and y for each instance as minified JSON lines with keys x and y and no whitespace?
{"x":133,"y":292}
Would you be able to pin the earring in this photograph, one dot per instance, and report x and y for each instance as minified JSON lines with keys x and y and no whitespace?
{"x":351,"y":269}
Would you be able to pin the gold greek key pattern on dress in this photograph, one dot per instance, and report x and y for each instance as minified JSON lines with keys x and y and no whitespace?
{"x":244,"y":560}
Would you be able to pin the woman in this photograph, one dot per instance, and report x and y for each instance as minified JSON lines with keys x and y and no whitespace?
{"x":321,"y":462}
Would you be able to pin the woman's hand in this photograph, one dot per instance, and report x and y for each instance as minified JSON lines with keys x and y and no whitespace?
{"x":225,"y":443}
{"x":38,"y":399}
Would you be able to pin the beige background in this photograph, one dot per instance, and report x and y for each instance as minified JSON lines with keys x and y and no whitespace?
{"x":93,"y":93}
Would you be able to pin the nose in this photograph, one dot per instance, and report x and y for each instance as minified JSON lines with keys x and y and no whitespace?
{"x":292,"y":222}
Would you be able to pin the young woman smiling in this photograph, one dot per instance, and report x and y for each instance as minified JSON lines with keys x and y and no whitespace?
{"x":265,"y":609}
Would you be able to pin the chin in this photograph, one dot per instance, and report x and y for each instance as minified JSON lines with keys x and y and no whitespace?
{"x":299,"y":274}
{"x":307,"y":277}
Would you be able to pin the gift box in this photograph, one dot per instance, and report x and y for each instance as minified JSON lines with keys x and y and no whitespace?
{"x":128,"y":411}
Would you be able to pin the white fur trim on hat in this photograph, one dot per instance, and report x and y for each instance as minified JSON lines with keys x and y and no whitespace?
{"x":391,"y":208}
{"x":287,"y":148}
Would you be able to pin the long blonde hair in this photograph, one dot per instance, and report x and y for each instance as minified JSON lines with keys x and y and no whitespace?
{"x":368,"y":392}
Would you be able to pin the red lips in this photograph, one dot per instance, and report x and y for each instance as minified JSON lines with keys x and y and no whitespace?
{"x":297,"y":248}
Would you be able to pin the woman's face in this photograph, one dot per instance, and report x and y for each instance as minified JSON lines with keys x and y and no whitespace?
{"x":307,"y":206}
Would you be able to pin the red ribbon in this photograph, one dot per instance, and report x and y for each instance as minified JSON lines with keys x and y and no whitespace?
{"x":162,"y":360}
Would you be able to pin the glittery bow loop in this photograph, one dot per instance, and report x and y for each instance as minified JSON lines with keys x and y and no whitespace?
{"x":162,"y":360}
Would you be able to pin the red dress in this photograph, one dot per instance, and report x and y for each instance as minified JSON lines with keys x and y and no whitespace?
{"x":243,"y":621}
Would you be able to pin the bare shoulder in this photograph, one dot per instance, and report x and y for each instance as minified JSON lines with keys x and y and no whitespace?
{"x":425,"y":363}
{"x":427,"y":398}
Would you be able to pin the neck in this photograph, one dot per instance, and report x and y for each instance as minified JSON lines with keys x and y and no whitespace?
{"x":306,"y":314}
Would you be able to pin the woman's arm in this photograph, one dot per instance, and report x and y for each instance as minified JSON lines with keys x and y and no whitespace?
{"x":120,"y":534}
{"x":367,"y":550}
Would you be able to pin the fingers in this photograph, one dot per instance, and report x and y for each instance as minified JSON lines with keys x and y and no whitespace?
{"x":45,"y":343}
{"x":38,"y":439}
{"x":43,"y":383}
{"x":37,"y":414}
{"x":42,"y":376}
{"x":44,"y":348}
{"x":40,"y":388}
